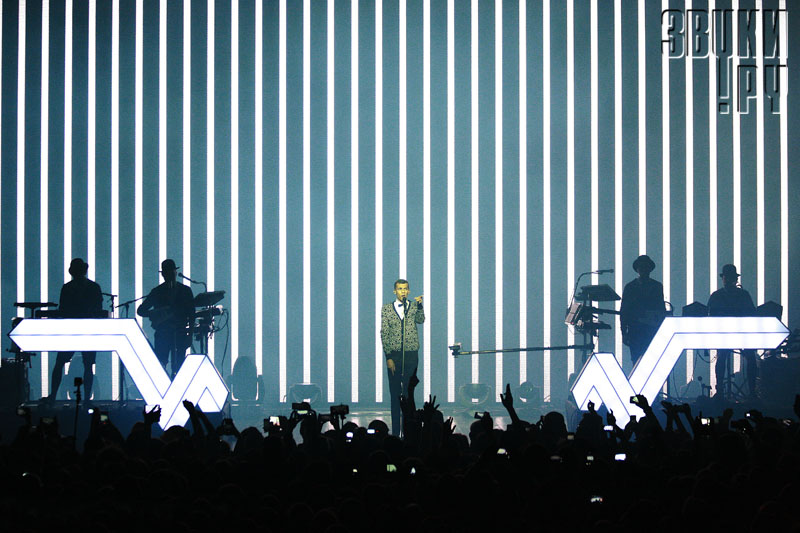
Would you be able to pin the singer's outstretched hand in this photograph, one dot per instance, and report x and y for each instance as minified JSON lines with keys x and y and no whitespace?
{"x":419,"y":298}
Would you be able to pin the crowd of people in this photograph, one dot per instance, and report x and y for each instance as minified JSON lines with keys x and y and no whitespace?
{"x":691,"y":472}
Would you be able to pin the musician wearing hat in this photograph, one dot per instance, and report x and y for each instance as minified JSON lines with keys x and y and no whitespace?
{"x":732,"y":300}
{"x":642,"y":308}
{"x":80,"y":298}
{"x":170,"y":307}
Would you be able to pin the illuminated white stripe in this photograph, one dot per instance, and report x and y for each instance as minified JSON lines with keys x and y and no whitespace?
{"x":474,"y":175}
{"x":737,"y":162}
{"x":712,"y":172}
{"x":44,"y":197}
{"x":523,"y":190}
{"x":21,"y":157}
{"x":282,"y":200}
{"x":379,"y":359}
{"x":689,"y":155}
{"x":642,"y":146}
{"x":306,"y":190}
{"x":570,"y":172}
{"x":595,"y":178}
{"x":210,"y":77}
{"x":331,"y":181}
{"x":331,"y":280}
{"x":665,"y":178}
{"x":138,"y":157}
{"x":498,"y":193}
{"x":737,"y":169}
{"x":451,"y":198}
{"x":187,"y":139}
{"x":234,"y":325}
{"x":354,"y":102}
{"x":784,"y":95}
{"x":67,"y":137}
{"x":760,"y":251}
{"x":403,"y":103}
{"x":1,"y":193}
{"x":618,"y":169}
{"x":426,"y":192}
{"x":115,"y":369}
{"x":546,"y":196}
{"x":162,"y":131}
{"x":91,"y":105}
{"x":259,"y":191}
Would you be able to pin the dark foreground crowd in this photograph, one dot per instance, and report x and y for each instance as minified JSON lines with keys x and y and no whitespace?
{"x":688,"y":474}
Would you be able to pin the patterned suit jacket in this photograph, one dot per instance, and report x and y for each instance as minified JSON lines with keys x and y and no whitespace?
{"x":392,"y":327}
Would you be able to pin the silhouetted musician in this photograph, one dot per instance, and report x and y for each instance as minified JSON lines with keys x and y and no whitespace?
{"x":170,"y":307}
{"x":80,"y":298}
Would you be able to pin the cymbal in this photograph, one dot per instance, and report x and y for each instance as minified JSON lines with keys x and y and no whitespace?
{"x":207,"y":299}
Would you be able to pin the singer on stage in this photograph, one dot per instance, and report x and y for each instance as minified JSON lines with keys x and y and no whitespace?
{"x":400,"y":340}
{"x":170,"y":307}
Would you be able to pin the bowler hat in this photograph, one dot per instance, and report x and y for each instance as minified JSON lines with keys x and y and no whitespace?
{"x":168,"y":265}
{"x":729,"y":271}
{"x":645,"y":262}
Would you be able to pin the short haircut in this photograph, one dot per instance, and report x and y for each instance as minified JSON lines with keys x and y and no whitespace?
{"x":400,"y":281}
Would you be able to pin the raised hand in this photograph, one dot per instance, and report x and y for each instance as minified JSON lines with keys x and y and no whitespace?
{"x":507,"y":399}
{"x":152,"y":416}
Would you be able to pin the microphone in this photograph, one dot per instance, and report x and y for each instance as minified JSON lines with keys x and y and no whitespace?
{"x":187,"y":278}
{"x":109,"y":295}
{"x":605,"y":271}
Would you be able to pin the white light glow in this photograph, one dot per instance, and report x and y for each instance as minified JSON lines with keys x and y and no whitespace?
{"x":354,"y":103}
{"x":282,"y":201}
{"x":689,"y":192}
{"x":331,"y":281}
{"x":21,"y":210}
{"x":44,"y":198}
{"x":665,"y":172}
{"x":210,"y":78}
{"x":91,"y":144}
{"x":498,"y":195}
{"x":523,"y":190}
{"x":602,"y":379}
{"x":546,"y":196}
{"x":197,"y":380}
{"x":737,"y":168}
{"x":162,"y":131}
{"x":426,"y":193}
{"x":403,"y":124}
{"x":379,"y":358}
{"x":570,"y":172}
{"x":784,"y":95}
{"x":234,"y":309}
{"x":306,"y":191}
{"x":451,"y":198}
{"x":618,"y":169}
{"x":595,"y":178}
{"x":138,"y":194}
{"x":115,"y":369}
{"x":642,"y":116}
{"x":186,"y":265}
{"x":259,"y":190}
{"x":475,"y":190}
{"x":67,"y":138}
{"x":760,"y":250}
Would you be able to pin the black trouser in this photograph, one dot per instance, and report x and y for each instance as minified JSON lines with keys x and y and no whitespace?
{"x":404,"y":367}
{"x":725,"y":363}
{"x":171,"y":342}
{"x":58,"y":372}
